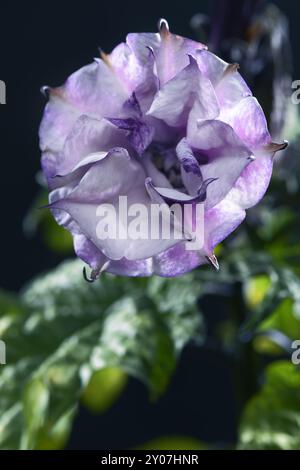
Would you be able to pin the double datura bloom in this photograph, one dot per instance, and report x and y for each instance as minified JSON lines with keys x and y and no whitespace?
{"x":159,"y":119}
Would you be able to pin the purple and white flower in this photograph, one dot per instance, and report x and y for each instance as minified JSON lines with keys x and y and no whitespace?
{"x":159,"y":117}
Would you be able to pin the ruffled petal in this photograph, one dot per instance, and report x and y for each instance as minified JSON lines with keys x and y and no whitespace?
{"x":125,"y":267}
{"x":177,"y":261}
{"x":123,"y":177}
{"x":222,"y":156}
{"x":190,"y":86}
{"x":190,"y":168}
{"x":95,"y":90}
{"x":231,"y":88}
{"x":211,"y":66}
{"x":170,"y":51}
{"x":253,"y":183}
{"x":140,"y":43}
{"x":138,"y":132}
{"x":88,"y":252}
{"x":135,"y":69}
{"x":88,"y":135}
{"x":58,"y":119}
{"x":156,"y":176}
{"x":221,"y":221}
{"x":172,"y":55}
{"x":248,"y":121}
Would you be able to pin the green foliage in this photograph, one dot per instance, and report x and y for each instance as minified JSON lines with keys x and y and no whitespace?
{"x":69,"y":340}
{"x":256,"y":289}
{"x":271,"y":420}
{"x":111,"y":381}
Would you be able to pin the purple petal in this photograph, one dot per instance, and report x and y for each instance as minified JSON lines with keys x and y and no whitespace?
{"x":172,"y":56}
{"x":123,"y":177}
{"x":125,"y":267}
{"x":139,"y":133}
{"x":211,"y":66}
{"x":231,"y":88}
{"x":135,"y":68}
{"x":177,"y":261}
{"x":190,"y":168}
{"x":221,"y":221}
{"x":253,"y":182}
{"x":88,"y":252}
{"x":189,"y":85}
{"x":157,"y":177}
{"x":171,"y":195}
{"x":132,"y":107}
{"x":95,"y":90}
{"x":140,"y":43}
{"x":88,"y":136}
{"x":224,"y":157}
{"x":249,"y":123}
{"x":58,"y":119}
{"x":170,"y":52}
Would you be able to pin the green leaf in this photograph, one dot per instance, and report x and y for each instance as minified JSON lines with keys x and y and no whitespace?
{"x":284,"y":319}
{"x":71,"y":332}
{"x":35,"y":404}
{"x":284,"y":284}
{"x":176,"y":300}
{"x":276,"y":333}
{"x":271,"y":419}
{"x":256,"y":289}
{"x":103,"y":389}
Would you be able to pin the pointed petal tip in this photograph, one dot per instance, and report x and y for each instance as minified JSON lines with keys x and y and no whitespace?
{"x":163,"y":27}
{"x":104,"y":267}
{"x":45,"y":90}
{"x":212,"y":259}
{"x":87,"y":278}
{"x":95,"y":273}
{"x":48,"y":91}
{"x":231,"y":68}
{"x":275,"y":147}
{"x":104,"y":57}
{"x":148,"y":182}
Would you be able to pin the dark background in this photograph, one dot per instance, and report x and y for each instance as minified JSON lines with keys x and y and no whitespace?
{"x":42,"y":43}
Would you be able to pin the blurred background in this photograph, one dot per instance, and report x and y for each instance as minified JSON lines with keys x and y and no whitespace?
{"x":236,"y":326}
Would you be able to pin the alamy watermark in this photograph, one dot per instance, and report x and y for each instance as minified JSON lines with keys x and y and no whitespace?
{"x":151,"y":221}
{"x":296,"y":94}
{"x":2,"y":352}
{"x":2,"y":92}
{"x":296,"y":353}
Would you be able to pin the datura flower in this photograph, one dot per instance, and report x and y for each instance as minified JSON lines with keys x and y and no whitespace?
{"x":159,"y":119}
